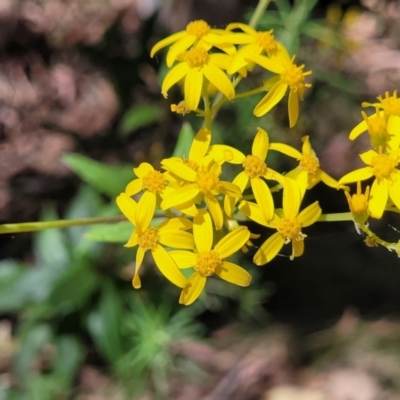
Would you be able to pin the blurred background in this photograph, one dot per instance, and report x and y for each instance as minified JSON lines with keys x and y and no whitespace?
{"x":80,"y":105}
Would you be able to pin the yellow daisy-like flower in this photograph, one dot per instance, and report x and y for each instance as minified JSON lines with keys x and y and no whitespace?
{"x":197,"y":68}
{"x":291,"y":76}
{"x":253,"y":43}
{"x":358,"y":204}
{"x":288,"y":225}
{"x":203,"y":183}
{"x":308,"y":173}
{"x":197,"y":33}
{"x":170,"y":233}
{"x":151,"y":181}
{"x":208,"y":260}
{"x":387,"y":179}
{"x":254,"y":169}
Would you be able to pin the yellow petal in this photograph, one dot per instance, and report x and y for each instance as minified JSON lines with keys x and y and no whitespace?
{"x":136,"y":283}
{"x":193,"y":289}
{"x":232,"y":273}
{"x":173,"y":77}
{"x":368,"y":156}
{"x":229,"y":189}
{"x":394,"y":191}
{"x":182,"y":258}
{"x":176,"y":239}
{"x":232,"y":242}
{"x":253,"y":211}
{"x":291,"y":198}
{"x":269,"y":249}
{"x":200,"y":145}
{"x":263,"y":197}
{"x":134,"y":187}
{"x":222,"y":152}
{"x":268,"y":63}
{"x":378,"y":198}
{"x":143,"y":169}
{"x":240,"y":181}
{"x":310,"y":214}
{"x":360,"y":174}
{"x":166,"y":42}
{"x":293,"y":108}
{"x":203,"y":230}
{"x":302,"y":177}
{"x":133,"y":240}
{"x":179,"y":197}
{"x":273,"y":97}
{"x":286,"y":149}
{"x":167,"y":267}
{"x":244,"y":27}
{"x":193,"y":87}
{"x":219,"y":79}
{"x":328,"y":180}
{"x":175,"y":224}
{"x":215,"y":210}
{"x":306,"y":148}
{"x":145,"y":210}
{"x":297,"y":248}
{"x":127,"y":206}
{"x":180,"y":169}
{"x":178,"y":48}
{"x":358,"y":130}
{"x":260,"y":144}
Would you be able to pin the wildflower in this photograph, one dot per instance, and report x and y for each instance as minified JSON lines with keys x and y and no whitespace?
{"x":208,"y":260}
{"x":358,"y":204}
{"x":170,"y":233}
{"x":387,"y":179}
{"x":309,"y":169}
{"x":197,"y":33}
{"x":197,"y":67}
{"x":202,"y":183}
{"x":254,"y":169}
{"x":291,"y":76}
{"x":180,"y":108}
{"x":151,"y":181}
{"x":385,"y":120}
{"x":288,"y":225}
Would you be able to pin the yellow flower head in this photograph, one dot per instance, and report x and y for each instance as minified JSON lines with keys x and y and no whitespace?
{"x":197,"y":68}
{"x":197,"y":33}
{"x":289,"y":225}
{"x":358,"y":204}
{"x":170,"y":233}
{"x":208,"y":260}
{"x":180,"y":108}
{"x":386,"y":185}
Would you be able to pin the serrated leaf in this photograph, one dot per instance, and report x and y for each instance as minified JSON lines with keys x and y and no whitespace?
{"x":139,"y":116}
{"x":185,"y":139}
{"x":111,"y":233}
{"x":108,"y":179}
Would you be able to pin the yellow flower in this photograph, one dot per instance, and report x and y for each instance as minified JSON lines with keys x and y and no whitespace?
{"x":203,"y":183}
{"x":291,"y":76}
{"x":288,"y":225}
{"x":197,"y":33}
{"x":386,"y":183}
{"x":151,"y":181}
{"x":308,"y":173}
{"x":254,"y":169}
{"x":197,"y":67}
{"x":358,"y":204}
{"x":170,"y":233}
{"x":180,"y":108}
{"x":208,"y":260}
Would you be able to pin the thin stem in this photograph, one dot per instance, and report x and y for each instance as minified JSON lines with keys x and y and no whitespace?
{"x":337,"y":217}
{"x":61,"y":223}
{"x":258,"y":12}
{"x":207,"y":109}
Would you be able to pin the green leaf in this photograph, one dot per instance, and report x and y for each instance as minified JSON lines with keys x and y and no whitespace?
{"x":139,"y":116}
{"x":185,"y":139}
{"x":104,"y":324}
{"x":108,"y":179}
{"x":111,"y":233}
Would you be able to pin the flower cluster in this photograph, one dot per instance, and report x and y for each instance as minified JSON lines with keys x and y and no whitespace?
{"x":188,"y":217}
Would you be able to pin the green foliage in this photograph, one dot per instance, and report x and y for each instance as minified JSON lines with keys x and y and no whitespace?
{"x":138,"y":117}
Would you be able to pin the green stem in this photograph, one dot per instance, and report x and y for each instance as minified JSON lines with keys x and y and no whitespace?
{"x":61,"y":223}
{"x":346,"y":216}
{"x":207,"y":109}
{"x":258,"y":12}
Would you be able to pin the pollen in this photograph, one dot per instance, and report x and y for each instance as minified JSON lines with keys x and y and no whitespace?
{"x":148,"y":239}
{"x":294,"y":76}
{"x":310,"y":164}
{"x":383,"y":165}
{"x":207,"y":181}
{"x":207,"y":262}
{"x":154,"y":182}
{"x":267,"y":41}
{"x":198,"y":28}
{"x":197,"y":57}
{"x":254,"y":167}
{"x":290,"y":229}
{"x":390,"y":104}
{"x":376,"y":124}
{"x":180,"y":108}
